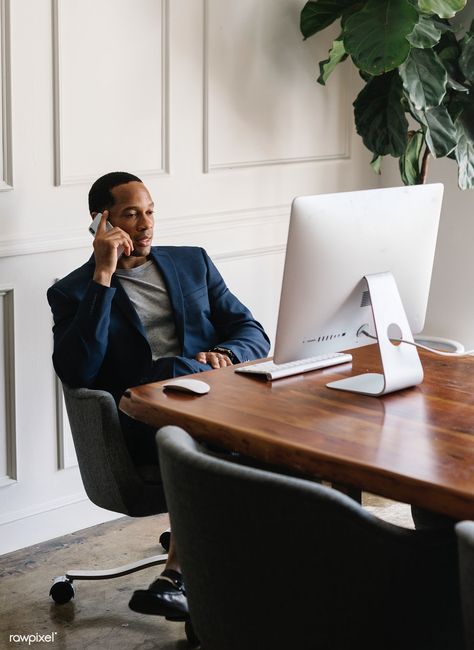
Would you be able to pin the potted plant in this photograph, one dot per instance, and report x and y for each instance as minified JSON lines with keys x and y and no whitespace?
{"x":414,"y":65}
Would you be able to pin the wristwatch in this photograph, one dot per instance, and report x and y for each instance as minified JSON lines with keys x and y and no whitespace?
{"x":226,"y":351}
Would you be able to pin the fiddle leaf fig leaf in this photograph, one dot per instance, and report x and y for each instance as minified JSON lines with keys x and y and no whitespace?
{"x":466,"y":60}
{"x":376,"y":164}
{"x":337,"y":53}
{"x":379,"y":116}
{"x":454,"y":85}
{"x":442,"y":8}
{"x":365,"y":75}
{"x":375,"y":36}
{"x":442,"y":24}
{"x":448,"y":53}
{"x":456,"y":105}
{"x":425,"y":33}
{"x":465,"y":148}
{"x":318,"y":14}
{"x":409,"y":163}
{"x":414,"y":63}
{"x":440,"y":132}
{"x":424,"y":78}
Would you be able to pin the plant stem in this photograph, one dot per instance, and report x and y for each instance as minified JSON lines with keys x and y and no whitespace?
{"x":424,"y":166}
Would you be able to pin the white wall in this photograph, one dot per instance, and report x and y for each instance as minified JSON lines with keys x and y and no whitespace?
{"x":451,"y":304}
{"x":214,"y":103}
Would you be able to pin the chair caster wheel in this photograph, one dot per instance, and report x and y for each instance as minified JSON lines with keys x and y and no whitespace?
{"x":191,"y":635}
{"x":165,"y":538}
{"x":62,"y":590}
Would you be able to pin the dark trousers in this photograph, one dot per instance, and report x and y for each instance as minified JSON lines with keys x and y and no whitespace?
{"x":140,"y":437}
{"x":428,"y":520}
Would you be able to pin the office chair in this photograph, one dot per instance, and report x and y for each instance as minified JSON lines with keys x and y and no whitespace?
{"x":348,"y":579}
{"x":465,"y":532}
{"x":110,"y":478}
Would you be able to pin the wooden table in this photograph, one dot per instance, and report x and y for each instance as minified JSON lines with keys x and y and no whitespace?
{"x":415,"y":446}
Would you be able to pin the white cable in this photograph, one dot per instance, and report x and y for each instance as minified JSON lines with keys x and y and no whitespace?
{"x":467,"y":353}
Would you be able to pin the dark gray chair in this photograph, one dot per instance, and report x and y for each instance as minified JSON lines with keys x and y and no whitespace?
{"x":110,"y":478}
{"x":465,"y":532}
{"x":348,"y":579}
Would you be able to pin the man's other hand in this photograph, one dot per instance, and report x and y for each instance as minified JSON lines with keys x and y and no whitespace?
{"x":214,"y":359}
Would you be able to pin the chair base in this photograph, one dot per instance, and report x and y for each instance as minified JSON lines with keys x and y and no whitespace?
{"x":62,"y":589}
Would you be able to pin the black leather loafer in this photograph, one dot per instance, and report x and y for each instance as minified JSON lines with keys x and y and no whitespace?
{"x":164,"y":597}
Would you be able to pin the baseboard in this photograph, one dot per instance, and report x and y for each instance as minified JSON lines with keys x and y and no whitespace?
{"x":43,"y":526}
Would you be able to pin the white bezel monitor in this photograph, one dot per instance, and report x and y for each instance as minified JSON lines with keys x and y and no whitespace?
{"x":334,"y":240}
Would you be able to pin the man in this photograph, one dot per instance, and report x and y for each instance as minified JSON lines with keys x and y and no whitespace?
{"x":136,"y":313}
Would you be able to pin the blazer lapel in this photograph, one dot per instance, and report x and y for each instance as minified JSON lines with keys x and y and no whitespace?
{"x":121,"y":300}
{"x":175,"y":293}
{"x":170,"y":275}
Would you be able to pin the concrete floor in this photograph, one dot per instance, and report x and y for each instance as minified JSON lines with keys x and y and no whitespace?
{"x":98,"y":618}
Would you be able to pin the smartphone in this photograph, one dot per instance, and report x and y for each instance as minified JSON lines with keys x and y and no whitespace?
{"x":95,"y":224}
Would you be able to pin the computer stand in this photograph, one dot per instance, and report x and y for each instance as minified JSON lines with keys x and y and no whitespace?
{"x":401,"y":363}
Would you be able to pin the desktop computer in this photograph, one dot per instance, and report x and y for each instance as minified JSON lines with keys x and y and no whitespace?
{"x":359,"y":264}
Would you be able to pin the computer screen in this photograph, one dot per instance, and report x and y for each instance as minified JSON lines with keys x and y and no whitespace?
{"x":334,"y":240}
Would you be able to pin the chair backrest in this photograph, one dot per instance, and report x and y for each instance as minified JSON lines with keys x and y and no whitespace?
{"x":271,"y":561}
{"x":465,"y":532}
{"x":110,"y":478}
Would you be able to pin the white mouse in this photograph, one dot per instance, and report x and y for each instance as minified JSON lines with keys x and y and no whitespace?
{"x":194,"y":386}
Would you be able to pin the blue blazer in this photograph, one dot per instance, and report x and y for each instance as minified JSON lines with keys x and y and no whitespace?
{"x":99,"y":340}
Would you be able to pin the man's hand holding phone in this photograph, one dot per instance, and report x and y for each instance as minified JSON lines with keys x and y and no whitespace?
{"x":110,"y":242}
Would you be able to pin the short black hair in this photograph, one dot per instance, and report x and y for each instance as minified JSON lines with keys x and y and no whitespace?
{"x":100,"y":196}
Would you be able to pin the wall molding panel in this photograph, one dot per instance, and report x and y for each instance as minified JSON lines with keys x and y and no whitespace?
{"x":64,"y":175}
{"x":41,"y":508}
{"x":6,"y":176}
{"x":46,"y":520}
{"x":214,"y":103}
{"x":342,"y":152}
{"x":8,"y":434}
{"x":214,"y":222}
{"x":249,"y":253}
{"x":193,"y":225}
{"x":66,"y":453}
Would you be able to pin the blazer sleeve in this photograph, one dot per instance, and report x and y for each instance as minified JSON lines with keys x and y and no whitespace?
{"x":80,"y":332}
{"x":238,"y":330}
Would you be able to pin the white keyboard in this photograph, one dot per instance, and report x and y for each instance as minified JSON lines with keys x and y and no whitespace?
{"x":280,"y":370}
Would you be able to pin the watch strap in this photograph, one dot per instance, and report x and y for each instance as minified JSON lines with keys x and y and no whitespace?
{"x":226,"y":351}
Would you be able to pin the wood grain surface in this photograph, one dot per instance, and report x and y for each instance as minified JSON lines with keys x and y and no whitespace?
{"x":415,"y":446}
